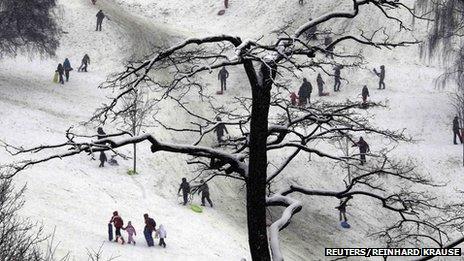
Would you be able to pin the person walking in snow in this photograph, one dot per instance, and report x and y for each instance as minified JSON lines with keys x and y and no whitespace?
{"x":320,"y":85}
{"x":222,"y":77}
{"x":381,"y":76}
{"x":118,"y":224}
{"x":305,"y":92}
{"x":161,"y":234}
{"x":67,"y":68}
{"x":456,"y":130}
{"x":150,"y":226}
{"x":342,"y":209}
{"x":204,"y":190}
{"x":130,"y":233}
{"x":100,"y":16}
{"x":220,"y":130}
{"x":103,"y":159}
{"x":60,"y":72}
{"x":185,"y":187}
{"x":337,"y":78}
{"x":84,"y":63}
{"x":363,"y":149}
{"x":365,"y":93}
{"x":100,"y":133}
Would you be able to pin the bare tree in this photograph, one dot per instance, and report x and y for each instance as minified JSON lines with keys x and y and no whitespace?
{"x":28,"y":26}
{"x":268,"y":123}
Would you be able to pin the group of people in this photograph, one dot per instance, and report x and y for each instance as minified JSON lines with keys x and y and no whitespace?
{"x":150,"y":227}
{"x":63,"y":70}
{"x":202,"y":189}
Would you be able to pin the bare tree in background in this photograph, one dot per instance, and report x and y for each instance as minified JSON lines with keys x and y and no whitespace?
{"x":28,"y":26}
{"x":265,"y":122}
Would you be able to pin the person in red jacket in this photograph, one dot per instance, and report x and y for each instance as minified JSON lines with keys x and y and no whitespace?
{"x":118,"y":224}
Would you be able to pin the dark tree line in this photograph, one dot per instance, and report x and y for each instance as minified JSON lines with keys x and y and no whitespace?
{"x":28,"y":26}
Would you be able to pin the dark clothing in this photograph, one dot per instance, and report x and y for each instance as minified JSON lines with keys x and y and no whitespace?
{"x":118,"y":232}
{"x":220,"y":129}
{"x":103,"y":159}
{"x":305,"y":92}
{"x":84,"y":63}
{"x":162,"y":243}
{"x":327,"y":42}
{"x":456,"y":131}
{"x":363,"y":149}
{"x":337,"y":79}
{"x":149,"y":237}
{"x":185,"y":187}
{"x":222,"y":76}
{"x":311,"y":33}
{"x":320,"y":85}
{"x":381,"y":76}
{"x":150,"y":224}
{"x":365,"y":93}
{"x":60,"y":71}
{"x":100,"y":16}
{"x":204,"y":190}
{"x":100,"y":133}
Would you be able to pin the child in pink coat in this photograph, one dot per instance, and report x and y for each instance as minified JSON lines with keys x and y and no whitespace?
{"x":130,"y":232}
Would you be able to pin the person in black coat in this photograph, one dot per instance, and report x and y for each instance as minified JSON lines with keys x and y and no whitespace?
{"x":100,"y":16}
{"x":67,"y":68}
{"x":337,"y":73}
{"x":305,"y":92}
{"x":381,"y":76}
{"x":84,"y":63}
{"x":100,"y":133}
{"x":320,"y":84}
{"x":220,"y":130}
{"x":60,"y":71}
{"x":365,"y":93}
{"x":103,"y":159}
{"x":204,"y":190}
{"x":185,"y":187}
{"x":222,"y":76}
{"x":456,"y":130}
{"x":363,"y":149}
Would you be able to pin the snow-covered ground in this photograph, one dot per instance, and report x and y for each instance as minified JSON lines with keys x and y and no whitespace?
{"x":77,"y":197}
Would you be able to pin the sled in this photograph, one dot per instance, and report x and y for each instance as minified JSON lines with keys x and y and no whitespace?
{"x":110,"y":232}
{"x":196,"y":208}
{"x":221,"y":12}
{"x":120,"y":240}
{"x":324,"y":94}
{"x":56,"y":77}
{"x":345,"y":224}
{"x":219,"y":92}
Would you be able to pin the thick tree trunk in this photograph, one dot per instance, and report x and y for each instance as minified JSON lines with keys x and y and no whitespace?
{"x":256,"y":183}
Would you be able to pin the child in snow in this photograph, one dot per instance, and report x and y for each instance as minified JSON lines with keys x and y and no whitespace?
{"x":161,"y":233}
{"x":130,"y":233}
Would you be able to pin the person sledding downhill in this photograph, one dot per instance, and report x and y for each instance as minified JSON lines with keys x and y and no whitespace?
{"x":130,"y":233}
{"x":118,"y":224}
{"x":363,"y":149}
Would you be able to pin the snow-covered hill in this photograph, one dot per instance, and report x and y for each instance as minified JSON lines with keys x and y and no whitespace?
{"x":77,"y":197}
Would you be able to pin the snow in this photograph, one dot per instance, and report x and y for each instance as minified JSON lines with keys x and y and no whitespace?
{"x":77,"y":197}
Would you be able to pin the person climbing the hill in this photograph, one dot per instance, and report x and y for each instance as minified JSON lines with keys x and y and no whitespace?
{"x":220,"y":129}
{"x":293,"y":98}
{"x":100,"y":16}
{"x":118,"y":224}
{"x":381,"y":76}
{"x":103,"y":159}
{"x":130,"y":233}
{"x":150,"y":226}
{"x":320,"y":85}
{"x":204,"y":190}
{"x":222,"y":77}
{"x":305,"y":92}
{"x":363,"y":149}
{"x":161,"y":234}
{"x":456,"y":130}
{"x":365,"y":93}
{"x":337,"y":73}
{"x":60,"y":72}
{"x":84,"y":63}
{"x":67,"y":68}
{"x":185,"y":187}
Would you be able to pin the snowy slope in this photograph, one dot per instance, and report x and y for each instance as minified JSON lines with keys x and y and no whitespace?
{"x":77,"y":197}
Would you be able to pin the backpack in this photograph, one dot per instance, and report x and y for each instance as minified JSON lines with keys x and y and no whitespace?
{"x":118,"y":222}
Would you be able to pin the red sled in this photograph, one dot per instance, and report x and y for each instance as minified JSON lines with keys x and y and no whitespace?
{"x":221,"y":12}
{"x":219,"y":92}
